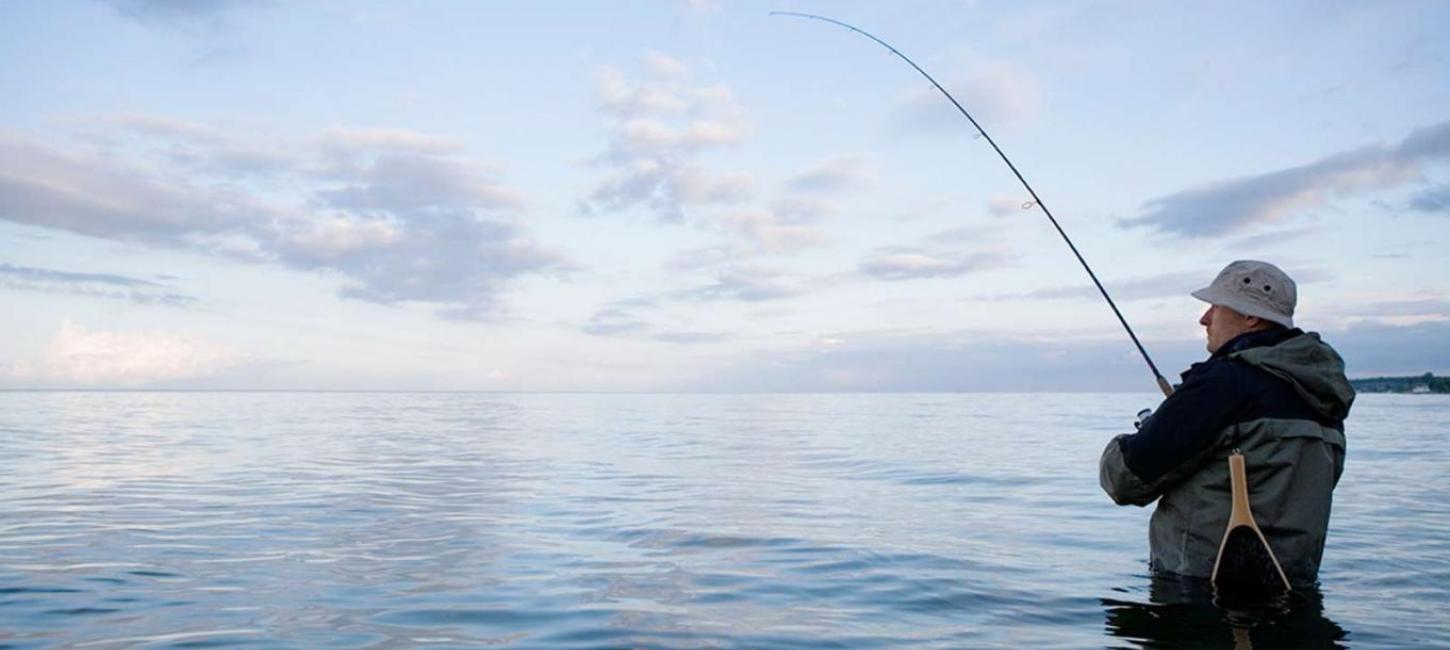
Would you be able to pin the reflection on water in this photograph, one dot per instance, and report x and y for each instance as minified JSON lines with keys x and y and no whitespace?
{"x":295,"y":520}
{"x":1181,"y":613}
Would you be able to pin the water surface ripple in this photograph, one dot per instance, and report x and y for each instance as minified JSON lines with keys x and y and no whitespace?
{"x":367,"y":520}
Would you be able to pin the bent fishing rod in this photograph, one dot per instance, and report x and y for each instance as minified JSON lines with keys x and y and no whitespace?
{"x":1163,"y":384}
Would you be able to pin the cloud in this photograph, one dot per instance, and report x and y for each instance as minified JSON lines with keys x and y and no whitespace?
{"x":664,"y":66}
{"x":79,"y":356}
{"x":622,"y":318}
{"x":179,"y":13}
{"x":1402,"y":311}
{"x":406,"y":182}
{"x":704,"y":257}
{"x":994,"y":94}
{"x":202,"y":147}
{"x":841,"y":173}
{"x":770,"y":233}
{"x":798,"y":209}
{"x":911,"y":264}
{"x":350,"y":141}
{"x":1177,"y":285}
{"x":707,"y":133}
{"x":1268,"y":239}
{"x":1435,"y":200}
{"x":690,"y":338}
{"x":745,"y":282}
{"x":658,"y":130}
{"x":399,"y":216}
{"x":667,"y":187}
{"x":619,"y":96}
{"x":986,"y":362}
{"x":938,"y":255}
{"x":99,"y":285}
{"x":1373,"y":349}
{"x":167,"y":127}
{"x":1235,"y":205}
{"x":113,"y":199}
{"x":614,"y":320}
{"x":1005,"y":206}
{"x":1158,"y":286}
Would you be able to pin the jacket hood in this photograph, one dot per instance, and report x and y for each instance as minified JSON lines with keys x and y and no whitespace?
{"x":1313,"y":368}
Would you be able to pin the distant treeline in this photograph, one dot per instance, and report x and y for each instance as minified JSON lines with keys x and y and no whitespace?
{"x":1426,"y":383}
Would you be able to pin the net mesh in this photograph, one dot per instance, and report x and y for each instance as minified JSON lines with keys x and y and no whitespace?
{"x":1246,"y":568}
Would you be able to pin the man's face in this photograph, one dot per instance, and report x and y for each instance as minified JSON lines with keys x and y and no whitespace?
{"x":1223,"y":324}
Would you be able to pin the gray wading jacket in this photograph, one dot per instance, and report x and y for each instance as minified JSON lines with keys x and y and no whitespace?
{"x":1279,"y":396}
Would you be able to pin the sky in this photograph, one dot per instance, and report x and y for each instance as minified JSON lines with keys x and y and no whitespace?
{"x":699,"y":196}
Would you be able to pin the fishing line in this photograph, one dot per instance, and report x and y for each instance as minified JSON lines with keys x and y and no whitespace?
{"x":1163,"y":384}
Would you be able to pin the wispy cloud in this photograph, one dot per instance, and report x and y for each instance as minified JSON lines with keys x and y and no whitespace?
{"x":690,"y":338}
{"x":792,"y":220}
{"x":614,"y":320}
{"x":994,"y":93}
{"x":1178,"y":284}
{"x":770,"y":233}
{"x":198,"y":146}
{"x":398,"y":215}
{"x":906,"y":263}
{"x":1232,"y":206}
{"x":627,"y":318}
{"x":1268,"y":239}
{"x":659,"y":128}
{"x":703,"y":5}
{"x":114,"y":199}
{"x":180,"y":13}
{"x":745,"y":282}
{"x":80,"y":356}
{"x":846,"y":172}
{"x":665,"y":66}
{"x":345,"y":141}
{"x":1006,"y":206}
{"x":705,"y":257}
{"x":1435,"y":200}
{"x":803,"y":209}
{"x":98,"y":285}
{"x":667,"y":187}
{"x":946,"y":254}
{"x":1158,"y":286}
{"x":1400,"y":311}
{"x":393,"y":183}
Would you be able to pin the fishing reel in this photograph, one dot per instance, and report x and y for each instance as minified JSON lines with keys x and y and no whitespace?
{"x":1142,"y":419}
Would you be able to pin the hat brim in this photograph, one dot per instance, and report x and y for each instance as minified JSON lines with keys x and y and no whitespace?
{"x":1240,"y":305}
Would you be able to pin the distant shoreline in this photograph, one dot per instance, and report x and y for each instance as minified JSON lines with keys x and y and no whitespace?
{"x":1427,"y":383}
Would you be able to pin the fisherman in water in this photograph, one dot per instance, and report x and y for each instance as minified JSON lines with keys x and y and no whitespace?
{"x":1272,"y":391}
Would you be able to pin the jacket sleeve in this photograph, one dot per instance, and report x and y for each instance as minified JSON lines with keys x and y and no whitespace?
{"x":1177,"y":439}
{"x":1121,"y":484}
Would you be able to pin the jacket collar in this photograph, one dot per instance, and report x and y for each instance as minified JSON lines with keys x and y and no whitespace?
{"x":1260,"y":338}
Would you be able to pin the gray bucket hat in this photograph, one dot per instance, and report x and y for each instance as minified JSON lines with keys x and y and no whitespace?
{"x":1253,"y":289}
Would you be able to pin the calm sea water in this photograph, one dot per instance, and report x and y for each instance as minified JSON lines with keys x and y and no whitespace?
{"x":307,"y":520}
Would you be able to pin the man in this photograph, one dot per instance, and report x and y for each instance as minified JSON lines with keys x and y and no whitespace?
{"x":1268,"y":389}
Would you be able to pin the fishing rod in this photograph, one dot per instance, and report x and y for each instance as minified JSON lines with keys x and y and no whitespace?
{"x":1163,"y":384}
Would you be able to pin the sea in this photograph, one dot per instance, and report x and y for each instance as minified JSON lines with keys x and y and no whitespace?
{"x":468,"y":520}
